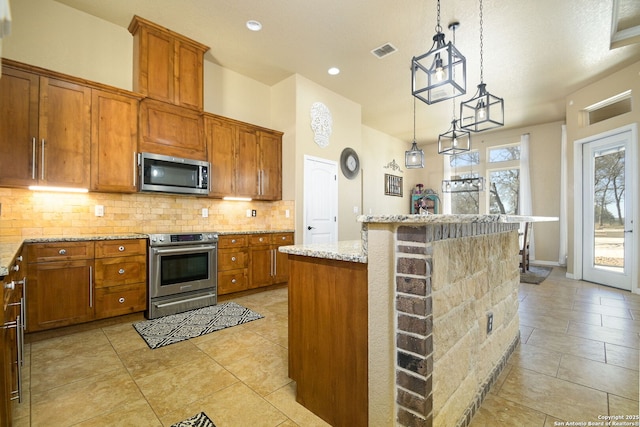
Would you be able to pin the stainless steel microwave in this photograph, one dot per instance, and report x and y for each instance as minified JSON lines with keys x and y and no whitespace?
{"x":167,"y":174}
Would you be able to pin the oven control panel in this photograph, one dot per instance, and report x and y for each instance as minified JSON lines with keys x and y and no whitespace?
{"x":178,"y":239}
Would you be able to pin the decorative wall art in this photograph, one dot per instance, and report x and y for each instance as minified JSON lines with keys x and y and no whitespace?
{"x":392,"y":185}
{"x":321,"y":123}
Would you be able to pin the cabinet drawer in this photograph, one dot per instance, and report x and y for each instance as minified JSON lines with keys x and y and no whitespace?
{"x":118,"y":300}
{"x":232,"y":241}
{"x":231,"y":259}
{"x":260,"y":239}
{"x":232,"y":281}
{"x":115,"y":248}
{"x":120,"y":271}
{"x":59,"y":251}
{"x":282,"y":238}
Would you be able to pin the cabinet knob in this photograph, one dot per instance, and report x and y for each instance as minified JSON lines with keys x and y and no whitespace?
{"x":233,"y":280}
{"x":16,"y":267}
{"x":10,"y":285}
{"x":233,"y":240}
{"x":261,"y":239}
{"x":121,"y":300}
{"x":284,"y":237}
{"x":233,"y":259}
{"x":121,"y":248}
{"x":121,"y":271}
{"x":62,"y":251}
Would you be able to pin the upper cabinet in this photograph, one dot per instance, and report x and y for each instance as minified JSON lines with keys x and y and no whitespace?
{"x":167,"y":66}
{"x":246,"y":160}
{"x":114,"y":136}
{"x":45,"y":130}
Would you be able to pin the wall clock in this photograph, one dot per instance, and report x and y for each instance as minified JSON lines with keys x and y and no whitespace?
{"x":349,"y":163}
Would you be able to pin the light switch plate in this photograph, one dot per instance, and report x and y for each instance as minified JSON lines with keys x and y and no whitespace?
{"x":205,"y":212}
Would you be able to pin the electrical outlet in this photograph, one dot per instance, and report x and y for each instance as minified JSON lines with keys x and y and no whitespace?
{"x":489,"y":323}
{"x":248,"y":213}
{"x":99,"y":210}
{"x":254,"y":213}
{"x":287,"y":213}
{"x":205,"y":212}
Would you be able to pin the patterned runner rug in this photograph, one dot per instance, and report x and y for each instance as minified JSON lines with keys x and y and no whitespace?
{"x":199,"y":420}
{"x":182,"y":326}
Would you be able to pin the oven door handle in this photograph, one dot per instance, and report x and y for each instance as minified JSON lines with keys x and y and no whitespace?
{"x":189,"y":249}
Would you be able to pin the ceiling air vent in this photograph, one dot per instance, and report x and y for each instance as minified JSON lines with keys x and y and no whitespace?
{"x":384,"y":50}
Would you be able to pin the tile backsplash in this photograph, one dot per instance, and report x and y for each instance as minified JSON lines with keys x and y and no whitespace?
{"x":28,"y":214}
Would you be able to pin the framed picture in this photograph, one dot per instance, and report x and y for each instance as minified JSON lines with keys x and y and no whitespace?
{"x":392,"y":185}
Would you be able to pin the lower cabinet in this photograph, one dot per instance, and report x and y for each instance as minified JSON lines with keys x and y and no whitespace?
{"x":249,"y":261}
{"x":76,"y":282}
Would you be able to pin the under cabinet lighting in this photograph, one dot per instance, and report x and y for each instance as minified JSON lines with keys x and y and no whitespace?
{"x":58,"y":189}
{"x":237,"y":199}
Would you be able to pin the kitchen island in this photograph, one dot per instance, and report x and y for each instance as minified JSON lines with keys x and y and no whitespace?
{"x":422,"y":313}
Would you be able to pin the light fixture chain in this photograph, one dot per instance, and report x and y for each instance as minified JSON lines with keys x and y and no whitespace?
{"x":481,"y":47}
{"x":414,"y":119}
{"x":438,"y":27}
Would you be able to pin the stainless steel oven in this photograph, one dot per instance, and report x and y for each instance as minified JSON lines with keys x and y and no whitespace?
{"x":182,"y":272}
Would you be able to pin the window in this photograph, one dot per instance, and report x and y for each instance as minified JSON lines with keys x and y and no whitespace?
{"x":500,"y":166}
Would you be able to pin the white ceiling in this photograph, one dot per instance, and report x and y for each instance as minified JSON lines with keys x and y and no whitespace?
{"x":535,"y":52}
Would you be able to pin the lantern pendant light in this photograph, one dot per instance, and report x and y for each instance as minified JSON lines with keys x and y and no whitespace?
{"x":441,"y":73}
{"x":484,"y":111}
{"x":414,"y":158}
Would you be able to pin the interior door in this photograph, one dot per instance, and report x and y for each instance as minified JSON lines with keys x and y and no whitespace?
{"x":607,"y":199}
{"x":320,"y":200}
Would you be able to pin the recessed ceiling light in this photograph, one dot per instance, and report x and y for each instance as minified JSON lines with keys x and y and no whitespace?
{"x":254,"y":25}
{"x":334,"y":71}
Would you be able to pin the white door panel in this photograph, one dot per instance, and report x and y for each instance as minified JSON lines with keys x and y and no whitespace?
{"x":320,"y":200}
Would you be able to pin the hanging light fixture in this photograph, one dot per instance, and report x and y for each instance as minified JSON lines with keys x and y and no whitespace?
{"x":455,"y":140}
{"x":433,"y":73}
{"x":468,"y":184}
{"x":414,"y":158}
{"x":484,"y":111}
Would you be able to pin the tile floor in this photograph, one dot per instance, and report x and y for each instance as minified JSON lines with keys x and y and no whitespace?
{"x":578,"y":359}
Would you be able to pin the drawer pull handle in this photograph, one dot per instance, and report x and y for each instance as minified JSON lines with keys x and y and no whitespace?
{"x":62,"y":251}
{"x":233,"y":240}
{"x":121,"y":271}
{"x":233,"y":259}
{"x":10,"y":285}
{"x":284,"y":238}
{"x":233,"y":280}
{"x":121,"y":248}
{"x":121,"y":300}
{"x":261,"y":239}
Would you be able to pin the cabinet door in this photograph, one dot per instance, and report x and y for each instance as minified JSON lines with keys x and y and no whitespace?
{"x":281,"y":259}
{"x":114,"y":139}
{"x":260,"y":266}
{"x":119,"y":300}
{"x":155,"y":76}
{"x":247,"y":163}
{"x":65,"y":133}
{"x":59,"y":294}
{"x":270,"y":179}
{"x":18,"y":127}
{"x":6,"y":351}
{"x":188,"y":76}
{"x":171,"y":130}
{"x":221,"y":145}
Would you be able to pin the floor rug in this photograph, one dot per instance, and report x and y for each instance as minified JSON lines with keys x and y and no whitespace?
{"x":535,"y":275}
{"x":182,"y":326}
{"x":199,"y":420}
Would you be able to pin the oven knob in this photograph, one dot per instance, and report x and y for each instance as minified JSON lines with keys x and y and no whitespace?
{"x":153,"y":239}
{"x":161,"y":238}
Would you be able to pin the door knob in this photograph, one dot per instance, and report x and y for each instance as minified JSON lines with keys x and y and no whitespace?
{"x":310,"y":228}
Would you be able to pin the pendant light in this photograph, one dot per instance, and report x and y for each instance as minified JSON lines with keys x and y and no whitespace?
{"x":414,"y":158}
{"x":433,"y":73}
{"x":462,"y":185}
{"x":455,"y":140}
{"x":484,"y":111}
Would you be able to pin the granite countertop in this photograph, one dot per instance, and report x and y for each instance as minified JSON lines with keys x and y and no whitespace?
{"x":453,"y":219}
{"x":348,"y":250}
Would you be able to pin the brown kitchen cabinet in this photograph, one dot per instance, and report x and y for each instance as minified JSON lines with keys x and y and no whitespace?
{"x":246,"y":160}
{"x":120,"y":277}
{"x":171,"y":131}
{"x":167,"y":66}
{"x":114,"y":139}
{"x":233,"y":260}
{"x":267,"y":265}
{"x":59,"y":284}
{"x":45,"y":130}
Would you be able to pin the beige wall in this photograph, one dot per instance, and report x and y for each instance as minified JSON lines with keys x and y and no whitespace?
{"x":622,"y":80}
{"x":544,"y":153}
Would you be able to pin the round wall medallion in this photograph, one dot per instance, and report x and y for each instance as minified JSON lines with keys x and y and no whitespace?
{"x":349,"y":163}
{"x":321,"y":123}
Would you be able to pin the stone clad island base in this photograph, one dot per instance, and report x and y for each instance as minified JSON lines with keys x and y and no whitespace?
{"x":432,"y":284}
